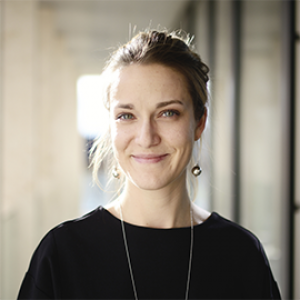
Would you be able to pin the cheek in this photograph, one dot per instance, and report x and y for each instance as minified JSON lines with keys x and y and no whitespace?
{"x":120,"y":139}
{"x":181,"y":134}
{"x":183,"y":141}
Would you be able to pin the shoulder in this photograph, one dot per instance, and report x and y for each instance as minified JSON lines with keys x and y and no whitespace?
{"x":98,"y":217}
{"x":73,"y":232}
{"x":233,"y":256}
{"x":59,"y":253}
{"x":92,"y":226}
{"x":58,"y":250}
{"x":79,"y":226}
{"x":241,"y":253}
{"x":231,"y":231}
{"x":238,"y":247}
{"x":84,"y":221}
{"x":231,"y":242}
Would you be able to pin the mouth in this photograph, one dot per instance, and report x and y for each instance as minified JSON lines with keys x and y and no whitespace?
{"x":149,"y":158}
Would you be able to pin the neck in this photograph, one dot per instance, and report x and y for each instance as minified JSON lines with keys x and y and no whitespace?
{"x":165,"y":208}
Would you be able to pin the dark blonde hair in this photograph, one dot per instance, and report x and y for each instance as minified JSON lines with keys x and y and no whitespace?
{"x":172,"y":50}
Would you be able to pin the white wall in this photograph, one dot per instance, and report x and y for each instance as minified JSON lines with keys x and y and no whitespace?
{"x":40,"y":154}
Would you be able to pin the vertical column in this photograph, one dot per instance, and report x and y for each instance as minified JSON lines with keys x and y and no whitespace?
{"x":48,"y":94}
{"x":40,"y":155}
{"x":58,"y":141}
{"x":1,"y":174}
{"x":261,"y":115}
{"x":72,"y":157}
{"x":223,"y":106}
{"x":288,"y":109}
{"x":202,"y":31}
{"x":297,"y":158}
{"x":17,"y":140}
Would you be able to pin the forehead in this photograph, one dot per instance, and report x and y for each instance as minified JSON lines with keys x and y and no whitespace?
{"x":148,"y":82}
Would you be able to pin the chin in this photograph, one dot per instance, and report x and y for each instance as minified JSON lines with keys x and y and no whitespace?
{"x":151,"y":183}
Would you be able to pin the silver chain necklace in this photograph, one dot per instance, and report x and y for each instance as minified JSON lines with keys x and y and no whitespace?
{"x":129,"y":261}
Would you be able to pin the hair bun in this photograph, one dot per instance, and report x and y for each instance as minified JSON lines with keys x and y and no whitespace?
{"x":156,"y":37}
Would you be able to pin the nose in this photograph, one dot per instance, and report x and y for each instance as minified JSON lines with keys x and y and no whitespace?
{"x":147,"y":134}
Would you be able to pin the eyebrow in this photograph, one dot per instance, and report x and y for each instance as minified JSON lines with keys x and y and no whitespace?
{"x":159,"y":105}
{"x":163,"y":104}
{"x":126,"y":106}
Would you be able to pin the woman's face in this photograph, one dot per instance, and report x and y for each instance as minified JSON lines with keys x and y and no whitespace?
{"x":152,"y":123}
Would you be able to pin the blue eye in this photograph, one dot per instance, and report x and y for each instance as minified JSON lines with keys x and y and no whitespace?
{"x":170,"y":113}
{"x":125,"y":117}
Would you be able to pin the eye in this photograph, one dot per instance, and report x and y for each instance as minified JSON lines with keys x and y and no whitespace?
{"x":170,"y":113}
{"x":125,"y":116}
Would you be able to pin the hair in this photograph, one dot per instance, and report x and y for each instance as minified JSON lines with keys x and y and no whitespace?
{"x":173,"y":50}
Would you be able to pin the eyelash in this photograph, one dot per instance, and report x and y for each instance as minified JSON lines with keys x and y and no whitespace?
{"x":120,"y":117}
{"x":174,"y":112}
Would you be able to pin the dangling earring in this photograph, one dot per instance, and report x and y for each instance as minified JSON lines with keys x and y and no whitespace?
{"x":116,"y":173}
{"x":196,"y":171}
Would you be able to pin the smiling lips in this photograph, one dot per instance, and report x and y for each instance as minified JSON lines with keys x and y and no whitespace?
{"x":148,"y":158}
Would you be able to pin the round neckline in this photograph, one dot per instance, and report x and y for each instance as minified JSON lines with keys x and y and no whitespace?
{"x":211,"y":218}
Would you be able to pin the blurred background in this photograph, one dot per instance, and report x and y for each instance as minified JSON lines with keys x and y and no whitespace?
{"x":51,"y":55}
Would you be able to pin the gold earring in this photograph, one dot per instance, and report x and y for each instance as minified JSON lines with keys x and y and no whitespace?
{"x":116,"y":173}
{"x":196,"y":171}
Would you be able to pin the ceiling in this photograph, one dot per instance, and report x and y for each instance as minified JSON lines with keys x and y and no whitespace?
{"x":92,"y":29}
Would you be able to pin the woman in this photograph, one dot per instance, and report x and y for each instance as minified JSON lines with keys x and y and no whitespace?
{"x":152,"y":242}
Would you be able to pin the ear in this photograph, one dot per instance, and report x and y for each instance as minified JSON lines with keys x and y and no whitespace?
{"x":201,"y":125}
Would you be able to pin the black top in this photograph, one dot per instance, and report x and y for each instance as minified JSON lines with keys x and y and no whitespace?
{"x":86,"y":259}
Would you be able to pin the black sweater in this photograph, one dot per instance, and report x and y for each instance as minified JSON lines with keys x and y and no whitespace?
{"x":86,"y":259}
